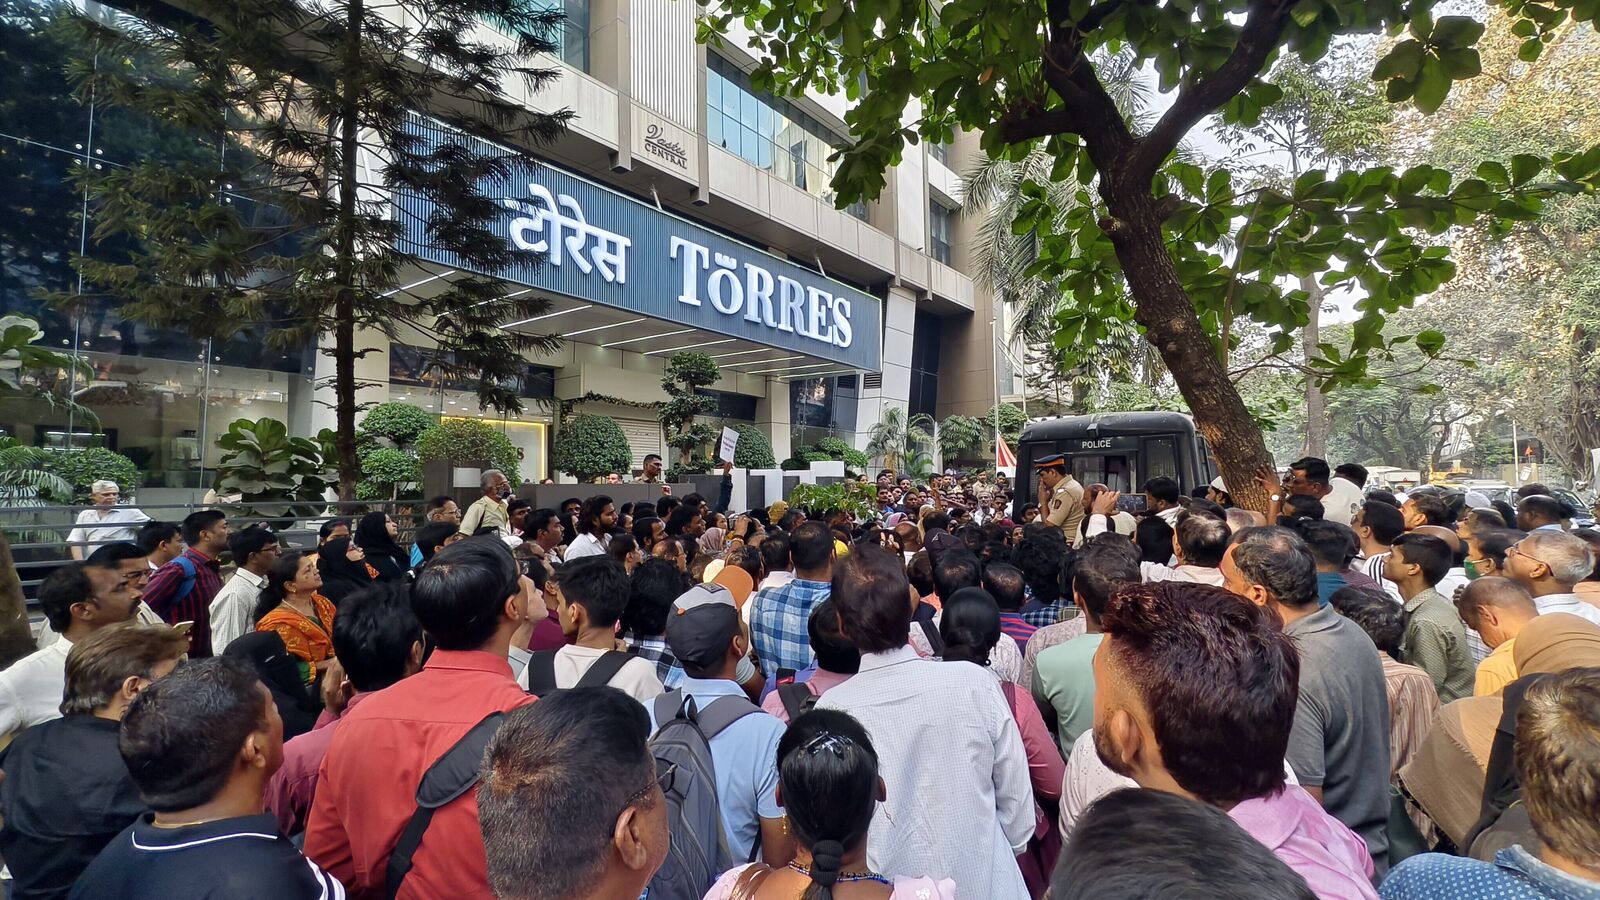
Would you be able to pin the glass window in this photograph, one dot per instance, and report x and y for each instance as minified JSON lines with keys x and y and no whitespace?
{"x":940,"y":226}
{"x":572,"y":37}
{"x":772,"y":134}
{"x":1161,"y":458}
{"x":941,"y":152}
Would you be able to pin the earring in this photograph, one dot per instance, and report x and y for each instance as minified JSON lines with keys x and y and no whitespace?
{"x":785,"y":823}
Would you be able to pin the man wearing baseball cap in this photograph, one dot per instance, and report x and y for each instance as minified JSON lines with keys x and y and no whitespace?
{"x":707,"y":636}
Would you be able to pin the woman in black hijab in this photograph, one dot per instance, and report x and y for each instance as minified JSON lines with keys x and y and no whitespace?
{"x":298,"y":703}
{"x":375,"y":535}
{"x":343,"y":569}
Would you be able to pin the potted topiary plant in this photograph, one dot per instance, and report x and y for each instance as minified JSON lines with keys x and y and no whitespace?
{"x":591,"y":446}
{"x":398,"y":423}
{"x":753,"y":451}
{"x":469,"y":440}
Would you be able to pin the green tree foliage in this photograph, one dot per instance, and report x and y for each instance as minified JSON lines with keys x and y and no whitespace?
{"x":753,"y":451}
{"x":82,"y":468}
{"x":388,"y":474}
{"x":590,"y":446}
{"x":962,"y":436}
{"x":272,"y":472}
{"x":685,"y":374}
{"x":895,"y":434}
{"x":1152,"y":230}
{"x":857,"y":499}
{"x":399,"y":423}
{"x":293,"y":111}
{"x":1011,"y":419}
{"x":469,"y":440}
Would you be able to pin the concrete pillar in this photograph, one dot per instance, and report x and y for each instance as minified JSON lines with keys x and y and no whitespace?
{"x":899,"y":324}
{"x":772,"y":416}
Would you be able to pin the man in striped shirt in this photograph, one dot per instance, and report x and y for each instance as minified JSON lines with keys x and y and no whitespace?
{"x":182,"y":590}
{"x":1378,"y":525}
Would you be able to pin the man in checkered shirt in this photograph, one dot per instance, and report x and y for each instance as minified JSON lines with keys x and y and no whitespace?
{"x":779,"y":615}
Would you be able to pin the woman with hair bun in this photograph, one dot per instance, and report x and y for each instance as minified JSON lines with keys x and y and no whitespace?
{"x":829,"y":788}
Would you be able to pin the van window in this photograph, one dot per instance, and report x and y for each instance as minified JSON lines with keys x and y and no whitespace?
{"x":1161,"y":458}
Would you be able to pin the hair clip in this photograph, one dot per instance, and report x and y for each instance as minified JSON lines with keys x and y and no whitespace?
{"x":826,"y":741}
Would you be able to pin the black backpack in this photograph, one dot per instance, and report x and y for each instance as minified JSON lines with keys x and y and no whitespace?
{"x":796,"y":697}
{"x":542,"y":671}
{"x":699,"y":851}
{"x":450,"y":776}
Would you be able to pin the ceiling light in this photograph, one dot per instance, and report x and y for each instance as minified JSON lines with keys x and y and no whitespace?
{"x":648,"y":337}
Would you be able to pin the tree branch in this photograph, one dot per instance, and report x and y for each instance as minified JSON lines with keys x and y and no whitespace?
{"x":1257,"y":39}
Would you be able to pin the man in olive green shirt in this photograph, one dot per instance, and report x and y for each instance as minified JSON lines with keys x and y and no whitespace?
{"x":1435,"y":638}
{"x":1063,"y":675}
{"x":490,"y":509}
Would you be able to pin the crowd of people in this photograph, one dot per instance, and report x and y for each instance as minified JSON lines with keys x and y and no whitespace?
{"x":967,"y":692}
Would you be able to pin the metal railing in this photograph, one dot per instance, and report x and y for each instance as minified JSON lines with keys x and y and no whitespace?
{"x":38,"y":534}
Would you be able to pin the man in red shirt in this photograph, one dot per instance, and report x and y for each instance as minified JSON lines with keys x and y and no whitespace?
{"x":469,"y":598}
{"x":378,"y":642}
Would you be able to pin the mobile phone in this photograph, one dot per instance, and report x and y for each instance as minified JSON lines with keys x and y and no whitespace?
{"x":1131,"y":503}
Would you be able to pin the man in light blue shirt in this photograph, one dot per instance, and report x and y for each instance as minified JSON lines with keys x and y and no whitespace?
{"x":778,"y":616}
{"x":704,"y":633}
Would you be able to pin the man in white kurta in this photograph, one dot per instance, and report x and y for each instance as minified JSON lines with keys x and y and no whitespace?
{"x":960,"y":804}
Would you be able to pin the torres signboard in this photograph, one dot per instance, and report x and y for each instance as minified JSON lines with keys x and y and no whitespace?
{"x":604,"y":247}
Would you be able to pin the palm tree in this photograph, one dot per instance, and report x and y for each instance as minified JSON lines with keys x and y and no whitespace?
{"x":894,"y":435}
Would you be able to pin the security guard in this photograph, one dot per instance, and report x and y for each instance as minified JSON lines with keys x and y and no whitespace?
{"x":1060,"y":495}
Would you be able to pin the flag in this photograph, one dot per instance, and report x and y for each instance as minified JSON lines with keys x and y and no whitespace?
{"x":1003,"y":457}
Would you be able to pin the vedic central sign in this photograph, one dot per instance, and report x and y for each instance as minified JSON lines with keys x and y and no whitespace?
{"x":603,"y":247}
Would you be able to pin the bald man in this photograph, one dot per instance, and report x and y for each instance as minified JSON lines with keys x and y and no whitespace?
{"x":1497,"y":609}
{"x":1456,"y":578}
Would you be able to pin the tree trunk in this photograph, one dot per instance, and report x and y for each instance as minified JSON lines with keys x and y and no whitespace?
{"x":16,"y":638}
{"x":1165,"y":311}
{"x":344,"y":350}
{"x":1316,"y":443}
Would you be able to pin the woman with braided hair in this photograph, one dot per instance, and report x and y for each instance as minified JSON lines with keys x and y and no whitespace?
{"x":829,"y":788}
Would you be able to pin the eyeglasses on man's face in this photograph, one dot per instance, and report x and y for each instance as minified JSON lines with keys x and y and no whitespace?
{"x":665,"y":779}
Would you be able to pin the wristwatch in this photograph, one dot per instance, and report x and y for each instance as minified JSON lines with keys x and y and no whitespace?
{"x":1277,"y":498}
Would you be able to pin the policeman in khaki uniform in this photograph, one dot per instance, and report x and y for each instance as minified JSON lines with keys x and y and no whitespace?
{"x":1060,"y":495}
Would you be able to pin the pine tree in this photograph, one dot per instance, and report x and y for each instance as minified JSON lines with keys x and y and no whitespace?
{"x":304,"y":124}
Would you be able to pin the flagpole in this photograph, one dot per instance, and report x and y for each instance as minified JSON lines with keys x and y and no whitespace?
{"x":994,"y":365}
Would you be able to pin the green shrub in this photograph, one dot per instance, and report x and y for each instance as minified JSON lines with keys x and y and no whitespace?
{"x":401,"y":423}
{"x":834,"y":447}
{"x":469,"y":440}
{"x":385,"y":472}
{"x":856,"y":461}
{"x":589,"y":446}
{"x":82,"y":468}
{"x":753,"y":451}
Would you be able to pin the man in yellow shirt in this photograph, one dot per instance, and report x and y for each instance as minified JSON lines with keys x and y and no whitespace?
{"x":1497,"y":609}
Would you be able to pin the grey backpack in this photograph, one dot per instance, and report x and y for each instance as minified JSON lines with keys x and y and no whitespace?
{"x":699,"y":852}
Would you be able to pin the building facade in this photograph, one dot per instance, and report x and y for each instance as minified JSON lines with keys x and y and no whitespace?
{"x":708,"y":197}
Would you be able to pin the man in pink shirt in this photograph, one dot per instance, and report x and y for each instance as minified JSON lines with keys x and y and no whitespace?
{"x":1184,"y":671}
{"x":837,"y":660}
{"x":378,"y":641}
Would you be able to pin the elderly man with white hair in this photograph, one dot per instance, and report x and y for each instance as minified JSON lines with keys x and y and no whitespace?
{"x":1549,"y":564}
{"x":105,"y":521}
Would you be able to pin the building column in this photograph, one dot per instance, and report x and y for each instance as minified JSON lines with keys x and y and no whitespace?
{"x":772,"y":416}
{"x":899,"y":325}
